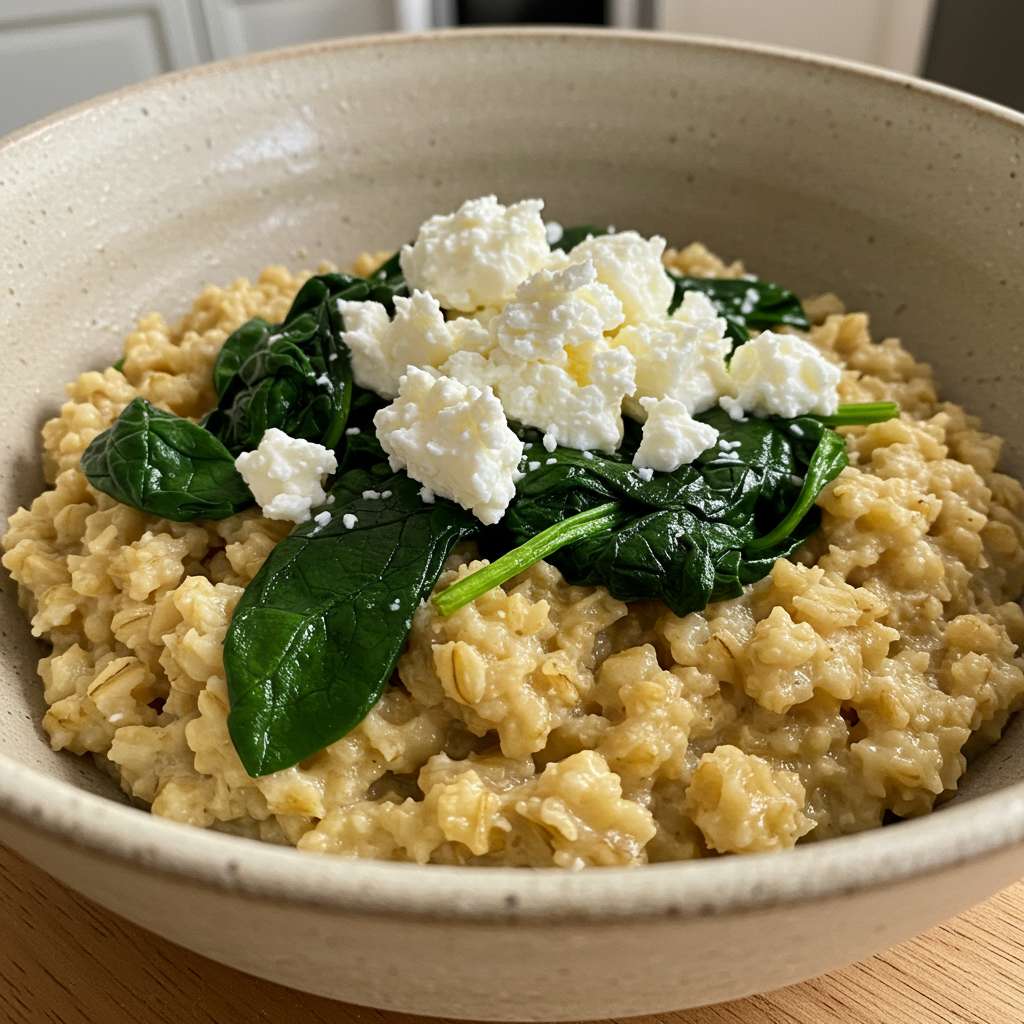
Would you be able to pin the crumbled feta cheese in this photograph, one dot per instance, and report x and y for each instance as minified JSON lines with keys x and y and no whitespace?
{"x":578,"y":406}
{"x":646,"y":474}
{"x":583,"y":411}
{"x":385,"y":494}
{"x":782,"y":375}
{"x":325,"y":382}
{"x":322,"y":519}
{"x":553,"y":231}
{"x":533,"y":465}
{"x":672,"y":437}
{"x":426,"y":496}
{"x":556,"y":309}
{"x":733,"y":408}
{"x":551,"y":462}
{"x":366,"y":324}
{"x":395,"y":605}
{"x":631,"y":266}
{"x":382,"y":348}
{"x":454,"y":439}
{"x":352,"y":431}
{"x":479,"y":254}
{"x":681,"y":358}
{"x":285,"y":474}
{"x":371,"y":495}
{"x":349,"y":521}
{"x":473,"y":368}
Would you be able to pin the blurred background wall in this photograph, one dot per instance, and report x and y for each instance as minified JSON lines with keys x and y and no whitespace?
{"x":57,"y":52}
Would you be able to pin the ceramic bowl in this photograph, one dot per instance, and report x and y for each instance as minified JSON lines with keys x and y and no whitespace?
{"x":905,"y":198}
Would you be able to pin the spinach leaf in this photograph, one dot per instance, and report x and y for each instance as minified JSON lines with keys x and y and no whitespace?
{"x":165,"y":465}
{"x":315,"y":637}
{"x":236,"y":350}
{"x":744,"y":303}
{"x":683,"y":536}
{"x":295,"y":376}
{"x":699,"y":534}
{"x":387,"y":282}
{"x":827,"y":462}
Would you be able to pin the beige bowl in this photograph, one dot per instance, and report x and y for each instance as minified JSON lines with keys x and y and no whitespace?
{"x":905,"y":198}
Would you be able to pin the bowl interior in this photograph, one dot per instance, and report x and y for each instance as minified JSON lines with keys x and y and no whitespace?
{"x":904,"y":200}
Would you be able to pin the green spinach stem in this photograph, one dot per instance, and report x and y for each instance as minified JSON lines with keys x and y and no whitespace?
{"x":568,"y":531}
{"x":861,"y":413}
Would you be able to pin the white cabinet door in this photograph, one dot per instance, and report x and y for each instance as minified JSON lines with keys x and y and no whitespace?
{"x":893,"y":33}
{"x":241,"y":26}
{"x":57,"y":52}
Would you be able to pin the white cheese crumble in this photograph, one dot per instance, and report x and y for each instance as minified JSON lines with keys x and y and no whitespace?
{"x":285,"y":475}
{"x":578,"y":406}
{"x":452,"y":438}
{"x":555,"y":309}
{"x":349,"y":520}
{"x":395,"y":605}
{"x":682,"y":357}
{"x":381,"y":347}
{"x":426,"y":496}
{"x":553,"y":231}
{"x":672,"y":437}
{"x":322,"y":519}
{"x":479,"y":254}
{"x":645,"y":474}
{"x":366,"y":325}
{"x":631,"y":266}
{"x":782,"y":375}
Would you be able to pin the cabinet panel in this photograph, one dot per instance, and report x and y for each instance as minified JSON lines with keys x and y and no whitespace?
{"x":53,"y":54}
{"x":240,"y":26}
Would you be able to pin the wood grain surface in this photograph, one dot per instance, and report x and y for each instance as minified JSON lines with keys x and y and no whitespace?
{"x":63,"y":959}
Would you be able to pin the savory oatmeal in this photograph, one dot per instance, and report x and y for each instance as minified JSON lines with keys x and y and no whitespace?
{"x":753,"y":689}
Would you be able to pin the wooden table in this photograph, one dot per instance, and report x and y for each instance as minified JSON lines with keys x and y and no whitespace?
{"x":63,"y":959}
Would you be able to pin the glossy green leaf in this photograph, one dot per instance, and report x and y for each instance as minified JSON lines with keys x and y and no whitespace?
{"x":314,"y":640}
{"x":165,"y":465}
{"x":691,"y":536}
{"x":746,"y":303}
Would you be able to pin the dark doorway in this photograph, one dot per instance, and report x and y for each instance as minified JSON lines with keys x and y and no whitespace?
{"x":976,"y":46}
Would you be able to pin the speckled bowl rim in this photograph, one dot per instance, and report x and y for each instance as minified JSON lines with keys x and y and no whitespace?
{"x":109,"y":830}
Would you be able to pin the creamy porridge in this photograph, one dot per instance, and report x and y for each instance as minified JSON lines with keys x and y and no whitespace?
{"x":542,"y":723}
